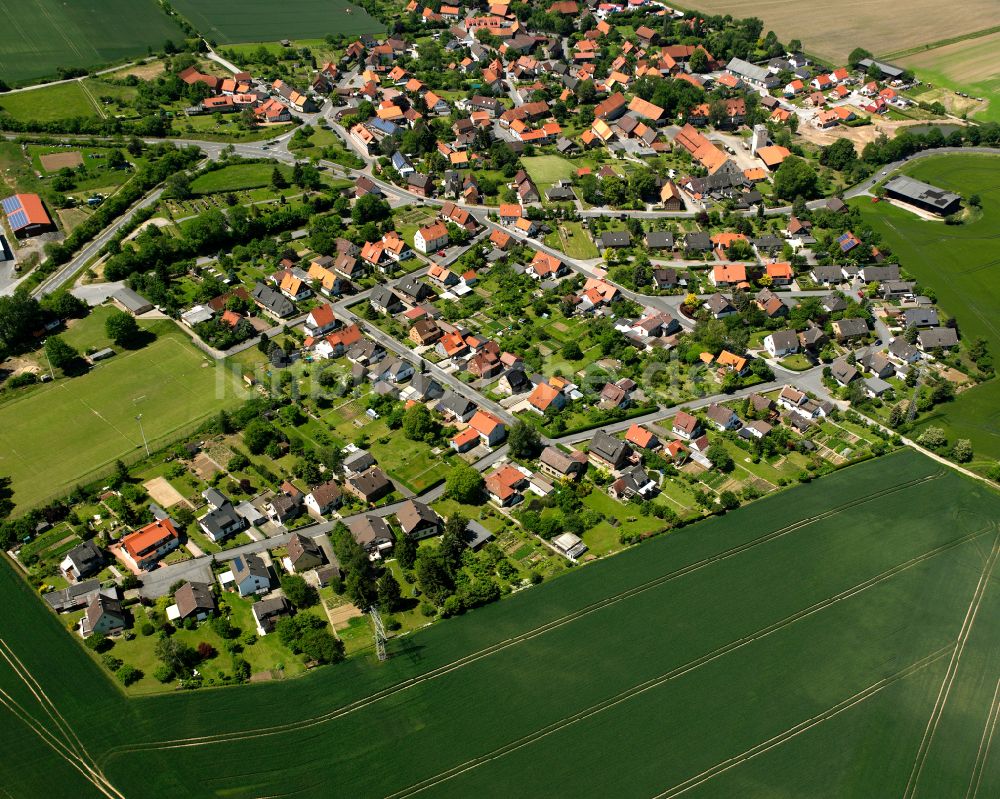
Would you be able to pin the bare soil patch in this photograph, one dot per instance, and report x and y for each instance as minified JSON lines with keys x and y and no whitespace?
{"x":164,"y":494}
{"x":53,"y":162}
{"x":205,"y":467}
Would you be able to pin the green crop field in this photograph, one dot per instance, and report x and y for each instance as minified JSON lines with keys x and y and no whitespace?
{"x":53,"y":436}
{"x":42,"y":35}
{"x":839,"y":639}
{"x":235,"y":22}
{"x":960,"y":263}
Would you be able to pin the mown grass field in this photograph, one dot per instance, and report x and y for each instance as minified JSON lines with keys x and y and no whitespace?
{"x":971,"y":66}
{"x":49,"y":103}
{"x":960,"y":263}
{"x":235,"y":22}
{"x":55,"y":435}
{"x":237,"y":177}
{"x":798,"y":647}
{"x":828,"y":33}
{"x":42,"y":35}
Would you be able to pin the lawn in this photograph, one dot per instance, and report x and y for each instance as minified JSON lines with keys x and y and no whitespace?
{"x":957,"y":261}
{"x":42,"y":35}
{"x":574,"y":240}
{"x":49,"y":103}
{"x":797,"y":647}
{"x":548,"y":169}
{"x":233,"y":22}
{"x":69,"y":431}
{"x":237,"y":177}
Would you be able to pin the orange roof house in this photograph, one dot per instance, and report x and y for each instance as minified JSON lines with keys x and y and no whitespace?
{"x":146,"y":546}
{"x":543,"y":396}
{"x":729,"y":360}
{"x":773,"y":155}
{"x":640,"y":436}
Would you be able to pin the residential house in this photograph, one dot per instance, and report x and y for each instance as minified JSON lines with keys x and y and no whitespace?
{"x":268,"y":612}
{"x":641,"y":437}
{"x":145,"y":547}
{"x":843,"y":372}
{"x":272,"y":302}
{"x":504,"y":485}
{"x":634,"y":481}
{"x":781,"y":343}
{"x":82,"y":561}
{"x":722,"y":417}
{"x":384,"y":300}
{"x":560,"y":465}
{"x":845,"y":329}
{"x":104,"y":615}
{"x":607,"y":452}
{"x":322,"y":499}
{"x":544,"y":396}
{"x":685,"y":426}
{"x":303,"y":553}
{"x":417,"y":520}
{"x":370,"y":485}
{"x":193,"y":600}
{"x":937,"y":338}
{"x":372,"y":534}
{"x":222,"y":522}
{"x":454,"y":406}
{"x":431,"y":237}
{"x":250,"y":574}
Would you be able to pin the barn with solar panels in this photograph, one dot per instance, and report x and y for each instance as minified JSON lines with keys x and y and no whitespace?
{"x":27,"y":215}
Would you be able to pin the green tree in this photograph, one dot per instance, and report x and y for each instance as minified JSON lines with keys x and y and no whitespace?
{"x":795,"y":178}
{"x":464,"y":485}
{"x":257,"y":435}
{"x":406,"y":551}
{"x":720,"y":457}
{"x":571,"y":351}
{"x":523,"y":440}
{"x":121,"y":328}
{"x":418,"y":424}
{"x":278,"y":181}
{"x":698,"y":62}
{"x":389,"y":594}
{"x":370,"y":208}
{"x":729,"y":500}
{"x":298,"y":591}
{"x":962,"y":451}
{"x":60,"y":354}
{"x":932,"y":438}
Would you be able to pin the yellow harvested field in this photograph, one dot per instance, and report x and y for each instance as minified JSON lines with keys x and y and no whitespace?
{"x":832,"y":30}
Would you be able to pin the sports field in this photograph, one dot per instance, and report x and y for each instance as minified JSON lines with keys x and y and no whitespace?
{"x":237,"y":21}
{"x":962,"y":264}
{"x":57,"y":435}
{"x":41,"y":35}
{"x":839,"y":639}
{"x":831,"y":30}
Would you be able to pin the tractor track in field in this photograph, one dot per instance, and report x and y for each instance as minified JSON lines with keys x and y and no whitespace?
{"x":688,"y":667}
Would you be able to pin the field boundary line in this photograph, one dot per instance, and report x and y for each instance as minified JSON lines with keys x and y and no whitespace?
{"x":500,"y":646}
{"x":686,"y":668}
{"x":985,"y":742}
{"x":803,"y":726}
{"x":949,"y":678}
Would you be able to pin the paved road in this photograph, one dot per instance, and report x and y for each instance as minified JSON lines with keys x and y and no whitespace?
{"x":67,"y":271}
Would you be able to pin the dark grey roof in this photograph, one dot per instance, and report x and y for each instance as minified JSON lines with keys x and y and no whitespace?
{"x":922,"y":193}
{"x":455,"y":403}
{"x":879,"y":274}
{"x":937,"y":337}
{"x":413,"y":515}
{"x":785,"y":339}
{"x":385,"y":297}
{"x":87,"y":558}
{"x":828,"y":274}
{"x":274,"y":301}
{"x":621,"y":238}
{"x":607,"y":447}
{"x":660,"y":239}
{"x":698,"y":240}
{"x":72,"y":597}
{"x":920,"y":317}
{"x":842,"y":371}
{"x":223,"y":518}
{"x":249,"y":565}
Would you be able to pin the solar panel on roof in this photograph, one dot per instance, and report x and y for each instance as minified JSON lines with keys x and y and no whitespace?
{"x":11,"y":204}
{"x":18,"y":220}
